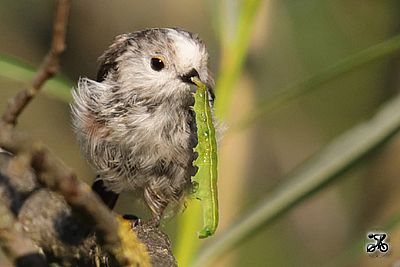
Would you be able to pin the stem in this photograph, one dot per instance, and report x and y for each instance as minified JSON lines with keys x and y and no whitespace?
{"x":233,"y":55}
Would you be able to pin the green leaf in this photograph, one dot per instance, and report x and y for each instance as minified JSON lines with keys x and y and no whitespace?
{"x":233,"y":52}
{"x":205,"y":180}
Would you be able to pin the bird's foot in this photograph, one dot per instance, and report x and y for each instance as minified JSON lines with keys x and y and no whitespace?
{"x":135,"y":221}
{"x":154,"y":222}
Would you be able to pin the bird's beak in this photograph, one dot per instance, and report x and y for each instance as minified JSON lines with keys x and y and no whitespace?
{"x":187,"y":78}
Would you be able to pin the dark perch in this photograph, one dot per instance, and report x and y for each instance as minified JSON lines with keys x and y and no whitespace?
{"x":49,"y":222}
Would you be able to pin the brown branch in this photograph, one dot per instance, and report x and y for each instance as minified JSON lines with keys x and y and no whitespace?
{"x":64,"y":236}
{"x":53,"y":174}
{"x":44,"y":216}
{"x":50,"y":171}
{"x":48,"y":69}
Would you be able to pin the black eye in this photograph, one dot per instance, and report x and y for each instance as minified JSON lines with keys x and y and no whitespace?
{"x":157,"y":64}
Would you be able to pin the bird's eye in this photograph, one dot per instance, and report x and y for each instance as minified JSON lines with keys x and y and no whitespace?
{"x":157,"y":64}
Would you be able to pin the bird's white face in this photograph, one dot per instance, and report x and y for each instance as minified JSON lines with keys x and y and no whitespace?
{"x":161,"y":64}
{"x":189,"y":53}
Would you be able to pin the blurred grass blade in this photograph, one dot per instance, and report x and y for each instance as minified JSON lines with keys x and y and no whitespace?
{"x":13,"y":69}
{"x":233,"y":53}
{"x":187,"y":243}
{"x":326,"y":165}
{"x":376,"y":52}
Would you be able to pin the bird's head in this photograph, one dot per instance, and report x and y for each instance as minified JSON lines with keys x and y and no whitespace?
{"x":155,"y":63}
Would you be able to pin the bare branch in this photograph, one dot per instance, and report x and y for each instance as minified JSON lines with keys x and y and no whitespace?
{"x":52,"y":173}
{"x":64,"y":236}
{"x":22,"y":200}
{"x":48,"y":69}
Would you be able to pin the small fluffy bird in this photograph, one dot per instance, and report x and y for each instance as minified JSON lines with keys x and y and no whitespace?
{"x":136,"y":124}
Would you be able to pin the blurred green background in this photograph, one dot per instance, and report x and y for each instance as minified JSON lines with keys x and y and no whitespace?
{"x":290,"y":40}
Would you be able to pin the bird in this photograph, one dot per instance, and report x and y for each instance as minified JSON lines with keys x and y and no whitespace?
{"x":135,"y":123}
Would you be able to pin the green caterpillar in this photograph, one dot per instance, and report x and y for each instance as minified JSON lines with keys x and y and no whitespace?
{"x":205,"y":180}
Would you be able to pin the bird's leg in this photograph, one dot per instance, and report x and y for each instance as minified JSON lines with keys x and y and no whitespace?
{"x":108,"y":197}
{"x":157,"y":203}
{"x":155,"y":221}
{"x":135,"y":221}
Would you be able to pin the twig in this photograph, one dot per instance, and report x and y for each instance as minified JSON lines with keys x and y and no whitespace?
{"x":50,"y":171}
{"x":14,"y":243}
{"x":48,"y":69}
